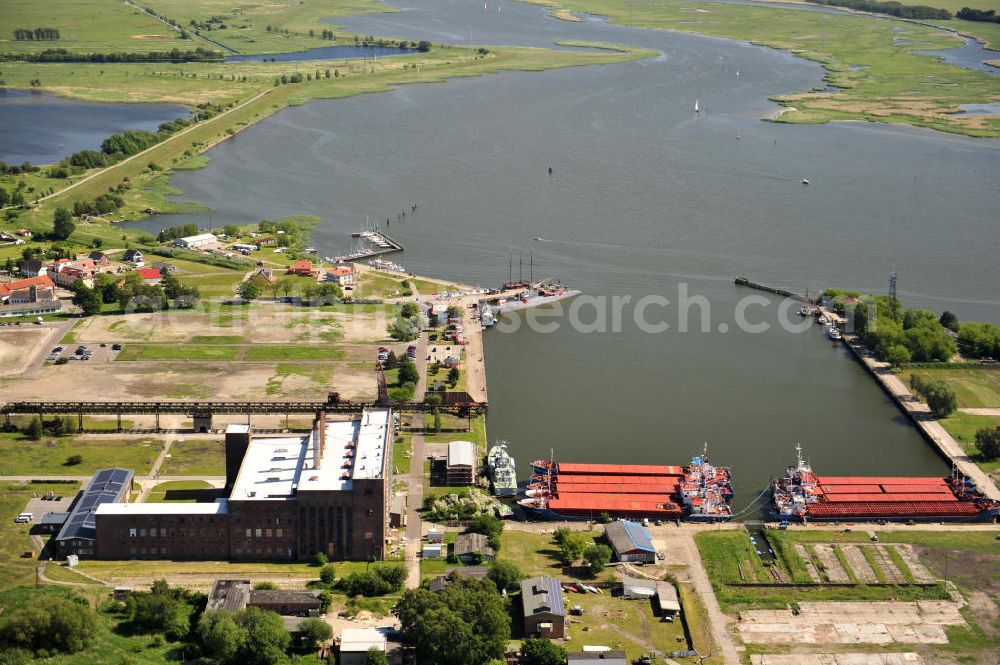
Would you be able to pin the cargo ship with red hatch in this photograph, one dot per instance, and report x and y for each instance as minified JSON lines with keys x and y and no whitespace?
{"x":577,"y":491}
{"x":801,"y":495}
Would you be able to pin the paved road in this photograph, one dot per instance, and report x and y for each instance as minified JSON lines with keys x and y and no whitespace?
{"x":415,"y":499}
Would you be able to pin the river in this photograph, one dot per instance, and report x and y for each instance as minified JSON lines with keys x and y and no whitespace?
{"x":644,"y":196}
{"x":42,"y":128}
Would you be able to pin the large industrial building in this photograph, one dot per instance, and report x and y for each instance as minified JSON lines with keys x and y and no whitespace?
{"x":289,"y":497}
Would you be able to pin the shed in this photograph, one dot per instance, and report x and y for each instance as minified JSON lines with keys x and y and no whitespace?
{"x":434,"y":536}
{"x":432,"y":550}
{"x":461,"y":467}
{"x":544,"y":613}
{"x":355,"y":643}
{"x":667,"y":599}
{"x":196,"y":242}
{"x":630,"y":542}
{"x":469,"y":545}
{"x":52,"y":522}
{"x":229,"y":595}
{"x":636,"y":588}
{"x":298,"y":602}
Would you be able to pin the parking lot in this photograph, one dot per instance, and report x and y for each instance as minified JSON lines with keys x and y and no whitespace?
{"x":102,"y":352}
{"x":40,"y":505}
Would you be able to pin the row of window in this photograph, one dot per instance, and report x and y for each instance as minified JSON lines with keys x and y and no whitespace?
{"x":265,"y":533}
{"x":138,"y":532}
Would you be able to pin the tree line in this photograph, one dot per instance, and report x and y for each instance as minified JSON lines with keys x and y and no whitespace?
{"x":62,"y":55}
{"x":983,"y":15}
{"x":891,"y":8}
{"x":37,"y":35}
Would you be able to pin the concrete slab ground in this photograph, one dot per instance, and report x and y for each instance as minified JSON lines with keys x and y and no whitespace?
{"x":906,"y":658}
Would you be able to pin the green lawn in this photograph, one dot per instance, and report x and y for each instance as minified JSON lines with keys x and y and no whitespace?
{"x":963,"y":428}
{"x":979,"y":541}
{"x":378,"y":285}
{"x":975,"y":388}
{"x":174,"y":491}
{"x":216,"y":339}
{"x":21,"y":457}
{"x":195,"y":457}
{"x":14,"y":538}
{"x":216,"y":284}
{"x":400,"y":453}
{"x":427,"y":287}
{"x":147,"y":352}
{"x":292,"y":353}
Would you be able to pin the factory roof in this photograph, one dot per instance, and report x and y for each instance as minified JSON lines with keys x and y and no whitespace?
{"x":628,"y":536}
{"x":330,"y":458}
{"x":106,"y":486}
{"x":541,"y":595}
{"x":360,"y":640}
{"x":218,"y":507}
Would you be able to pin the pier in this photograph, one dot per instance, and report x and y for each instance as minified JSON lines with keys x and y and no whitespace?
{"x":380,"y":243}
{"x":743,"y":281}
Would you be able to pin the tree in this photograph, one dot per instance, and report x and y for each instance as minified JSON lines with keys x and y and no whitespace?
{"x":35,"y":429}
{"x":86,"y":298}
{"x":408,"y":371}
{"x":248,"y":290}
{"x":231,"y":230}
{"x":466,"y":624}
{"x":74,"y":460}
{"x":543,"y":652}
{"x":597,"y":556}
{"x":314,"y":632}
{"x":453,"y":376}
{"x":375,"y":656}
{"x":941,"y":399}
{"x":409,"y":310}
{"x":505,"y":575}
{"x":489,"y":526}
{"x":328,"y":574}
{"x":897,"y":355}
{"x":219,"y":635}
{"x":52,"y":624}
{"x":988,"y":443}
{"x":573,"y":547}
{"x":949,"y":321}
{"x":107,"y":285}
{"x":62,"y":224}
{"x":266,"y":637}
{"x":320,"y":559}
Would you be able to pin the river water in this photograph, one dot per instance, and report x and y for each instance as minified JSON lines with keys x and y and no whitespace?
{"x":42,"y":128}
{"x":645,"y":197}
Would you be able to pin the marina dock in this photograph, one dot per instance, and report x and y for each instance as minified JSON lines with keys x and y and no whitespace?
{"x":378,"y":243}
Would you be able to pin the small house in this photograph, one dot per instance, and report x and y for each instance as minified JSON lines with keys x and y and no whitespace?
{"x":473,"y":548}
{"x":99,"y":258}
{"x":433,"y":550}
{"x":303,"y":268}
{"x":356,"y":642}
{"x":165,"y":268}
{"x":34,"y":268}
{"x":434,"y":536}
{"x":134,"y":257}
{"x":150,"y":275}
{"x":544,"y":613}
{"x":341,"y":274}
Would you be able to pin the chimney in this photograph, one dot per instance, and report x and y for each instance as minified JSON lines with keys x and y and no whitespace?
{"x":321,"y":434}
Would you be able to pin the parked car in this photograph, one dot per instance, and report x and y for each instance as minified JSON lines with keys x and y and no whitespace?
{"x":116,"y":347}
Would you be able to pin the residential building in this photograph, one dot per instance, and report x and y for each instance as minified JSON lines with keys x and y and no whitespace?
{"x":65,"y":273}
{"x":135,"y":257}
{"x":30,"y":290}
{"x":31,"y":308}
{"x":165,"y":268}
{"x":34,"y":268}
{"x":100,"y":259}
{"x":461,"y":463}
{"x":441,"y":582}
{"x":79,"y":533}
{"x":341,"y":274}
{"x":630,"y":542}
{"x":196,"y":242}
{"x":473,"y":547}
{"x":303,"y":268}
{"x":544,"y":613}
{"x":150,"y":275}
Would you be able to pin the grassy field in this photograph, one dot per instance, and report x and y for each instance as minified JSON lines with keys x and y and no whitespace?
{"x":20,"y":456}
{"x":892,"y":85}
{"x":730,"y":560}
{"x":379,"y":285}
{"x":963,"y":428}
{"x":974,"y":388}
{"x":272,"y":352}
{"x":87,"y":26}
{"x":14,"y":538}
{"x":620,"y":624}
{"x":147,"y":352}
{"x":197,"y":457}
{"x":176,"y":491}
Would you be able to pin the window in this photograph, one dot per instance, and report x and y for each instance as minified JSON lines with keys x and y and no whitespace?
{"x":259,"y":533}
{"x":132,"y":534}
{"x":279,"y":532}
{"x":249,"y":532}
{"x":268,"y":533}
{"x":142,"y":533}
{"x":163,"y":533}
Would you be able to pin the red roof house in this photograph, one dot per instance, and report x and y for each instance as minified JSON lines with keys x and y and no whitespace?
{"x":149,"y":275}
{"x":303,"y":267}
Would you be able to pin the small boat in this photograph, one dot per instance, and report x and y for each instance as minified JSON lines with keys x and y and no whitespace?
{"x":696,"y":109}
{"x":805,"y":182}
{"x":834,"y":334}
{"x":822,"y":320}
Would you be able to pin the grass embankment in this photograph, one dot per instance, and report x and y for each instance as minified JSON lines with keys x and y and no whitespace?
{"x":888,"y":84}
{"x":731,"y":563}
{"x":974,"y":387}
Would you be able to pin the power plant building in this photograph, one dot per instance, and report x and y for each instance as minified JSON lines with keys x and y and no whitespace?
{"x":289,"y":497}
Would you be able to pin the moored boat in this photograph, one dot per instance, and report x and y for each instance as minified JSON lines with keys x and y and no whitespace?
{"x":501,"y":469}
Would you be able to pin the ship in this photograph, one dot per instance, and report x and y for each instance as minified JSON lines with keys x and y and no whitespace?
{"x":501,"y":470}
{"x":576,"y":491}
{"x":801,"y":495}
{"x":541,"y":294}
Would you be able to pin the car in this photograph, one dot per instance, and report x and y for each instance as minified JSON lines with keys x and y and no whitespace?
{"x":84,"y":357}
{"x":116,"y":347}
{"x":659,"y":555}
{"x":432,"y":338}
{"x":103,"y":344}
{"x":58,"y":349}
{"x":659,"y":522}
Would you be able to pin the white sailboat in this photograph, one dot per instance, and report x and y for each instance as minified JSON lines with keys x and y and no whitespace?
{"x":696,"y":109}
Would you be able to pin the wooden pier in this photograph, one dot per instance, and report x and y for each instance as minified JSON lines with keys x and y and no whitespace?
{"x":743,"y":281}
{"x":382,"y":243}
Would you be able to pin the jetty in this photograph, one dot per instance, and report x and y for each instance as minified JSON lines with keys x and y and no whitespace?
{"x":374,"y":244}
{"x":743,"y":281}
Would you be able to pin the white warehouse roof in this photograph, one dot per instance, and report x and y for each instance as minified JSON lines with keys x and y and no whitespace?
{"x":461,"y":453}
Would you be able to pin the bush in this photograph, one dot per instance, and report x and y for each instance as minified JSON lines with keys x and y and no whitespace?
{"x":543,"y":652}
{"x":314,"y":632}
{"x":988,"y":443}
{"x":328,"y":574}
{"x":74,"y":460}
{"x":51,"y":624}
{"x":320,"y":559}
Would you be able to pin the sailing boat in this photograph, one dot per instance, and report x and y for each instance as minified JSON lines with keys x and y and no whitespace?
{"x":696,"y":109}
